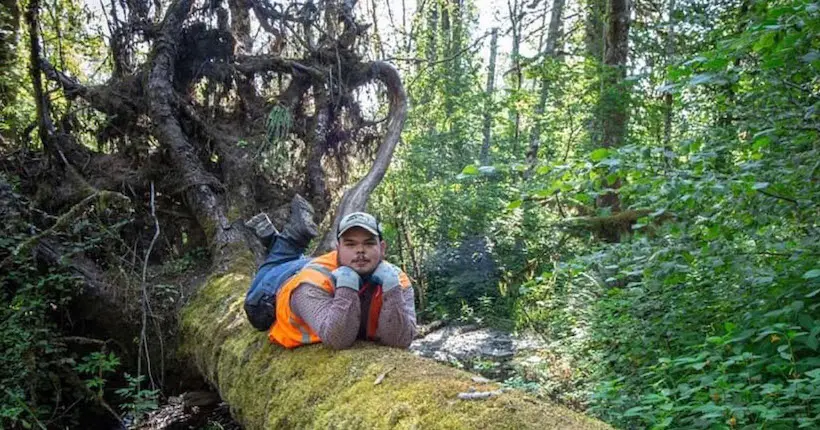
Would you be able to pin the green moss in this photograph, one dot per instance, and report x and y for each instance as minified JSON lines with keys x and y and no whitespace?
{"x":233,"y":213}
{"x":315,"y":387}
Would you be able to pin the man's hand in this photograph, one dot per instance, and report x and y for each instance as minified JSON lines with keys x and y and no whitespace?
{"x":388,"y":275}
{"x":347,"y":277}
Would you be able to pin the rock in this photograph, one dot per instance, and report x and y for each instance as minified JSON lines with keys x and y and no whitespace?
{"x":485,"y":350}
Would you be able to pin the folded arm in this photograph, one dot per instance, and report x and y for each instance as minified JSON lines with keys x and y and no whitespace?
{"x":334,"y":318}
{"x":397,"y":320}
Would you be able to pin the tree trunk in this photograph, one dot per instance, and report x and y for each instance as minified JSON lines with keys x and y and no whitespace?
{"x":484,"y":156}
{"x":667,"y":97}
{"x":515,"y":24}
{"x":201,"y":186}
{"x":594,"y":46}
{"x":315,"y":387}
{"x":249,"y":101}
{"x":9,"y":26}
{"x":555,"y":33}
{"x":614,"y":99}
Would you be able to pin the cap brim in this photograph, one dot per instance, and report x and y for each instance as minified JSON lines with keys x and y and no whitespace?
{"x":375,"y":233}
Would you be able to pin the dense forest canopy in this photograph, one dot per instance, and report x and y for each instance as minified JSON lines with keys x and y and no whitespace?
{"x":635,"y":182}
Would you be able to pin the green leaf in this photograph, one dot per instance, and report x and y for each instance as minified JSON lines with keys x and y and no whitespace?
{"x":811,"y":274}
{"x":765,"y":42}
{"x":599,"y":154}
{"x":760,"y":185}
{"x":761,"y":143}
{"x":806,"y":321}
{"x":701,"y":79}
{"x":636,"y":411}
{"x":716,"y":64}
{"x":514,"y":204}
{"x":811,"y":342}
{"x":470,"y":169}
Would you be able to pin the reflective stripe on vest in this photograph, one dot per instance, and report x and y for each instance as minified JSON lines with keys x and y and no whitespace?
{"x":323,"y":270}
{"x":289,"y":330}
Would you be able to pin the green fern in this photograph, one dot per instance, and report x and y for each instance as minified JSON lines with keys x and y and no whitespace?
{"x":278,"y":124}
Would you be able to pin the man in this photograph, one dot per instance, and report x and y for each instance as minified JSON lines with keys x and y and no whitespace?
{"x":347,"y":294}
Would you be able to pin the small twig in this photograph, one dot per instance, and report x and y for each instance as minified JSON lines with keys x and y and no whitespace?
{"x":62,"y":221}
{"x":595,"y":281}
{"x":479,"y":395}
{"x":83,"y":340}
{"x":380,"y":378}
{"x":145,"y":302}
{"x":788,"y":199}
{"x":64,"y":412}
{"x":435,"y":62}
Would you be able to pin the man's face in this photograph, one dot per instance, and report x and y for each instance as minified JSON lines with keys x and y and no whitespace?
{"x":360,"y":250}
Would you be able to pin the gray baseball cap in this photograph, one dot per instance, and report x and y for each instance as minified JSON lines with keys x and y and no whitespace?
{"x":359,"y":219}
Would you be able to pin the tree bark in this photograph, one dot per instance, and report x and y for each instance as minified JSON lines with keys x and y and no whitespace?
{"x":614,"y":98}
{"x":555,"y":33}
{"x":594,"y":46}
{"x":484,"y":156}
{"x":667,"y":97}
{"x":516,"y":16}
{"x":200,"y":186}
{"x":249,"y":101}
{"x":9,"y":26}
{"x":615,"y":59}
{"x":315,"y":387}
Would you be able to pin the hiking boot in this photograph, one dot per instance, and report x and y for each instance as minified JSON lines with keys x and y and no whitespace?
{"x":263,"y":228}
{"x":300,"y":229}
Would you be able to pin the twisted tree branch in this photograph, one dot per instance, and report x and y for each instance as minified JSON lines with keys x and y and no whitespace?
{"x":355,"y":199}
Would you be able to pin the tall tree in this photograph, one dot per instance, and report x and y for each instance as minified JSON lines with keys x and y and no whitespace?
{"x":595,"y":15}
{"x":516,"y":13}
{"x":554,"y":36}
{"x":484,"y":156}
{"x":9,"y":26}
{"x":614,"y":98}
{"x":667,"y":96}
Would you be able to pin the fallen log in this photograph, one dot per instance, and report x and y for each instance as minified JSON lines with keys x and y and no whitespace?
{"x":268,"y":387}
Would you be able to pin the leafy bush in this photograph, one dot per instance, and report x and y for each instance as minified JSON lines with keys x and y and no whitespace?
{"x":137,"y":401}
{"x":33,"y":359}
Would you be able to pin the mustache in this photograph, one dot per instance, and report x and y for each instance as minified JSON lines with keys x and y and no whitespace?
{"x":361,"y":259}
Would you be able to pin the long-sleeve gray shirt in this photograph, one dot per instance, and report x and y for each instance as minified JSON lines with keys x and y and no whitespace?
{"x":336,"y":317}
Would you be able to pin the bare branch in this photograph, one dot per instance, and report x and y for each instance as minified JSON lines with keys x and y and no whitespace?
{"x":355,"y":199}
{"x":273,"y":63}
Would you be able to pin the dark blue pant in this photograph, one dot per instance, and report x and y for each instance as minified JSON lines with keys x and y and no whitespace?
{"x":284,"y":260}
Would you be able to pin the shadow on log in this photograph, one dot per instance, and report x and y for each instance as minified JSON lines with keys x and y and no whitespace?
{"x":270,"y":387}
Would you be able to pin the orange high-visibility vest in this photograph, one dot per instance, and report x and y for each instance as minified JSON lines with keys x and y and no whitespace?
{"x":290,"y":330}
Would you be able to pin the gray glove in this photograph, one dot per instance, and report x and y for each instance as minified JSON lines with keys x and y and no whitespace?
{"x":387,"y":275}
{"x":347,"y":277}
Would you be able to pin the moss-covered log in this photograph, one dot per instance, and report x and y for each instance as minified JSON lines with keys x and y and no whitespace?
{"x":269,"y":387}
